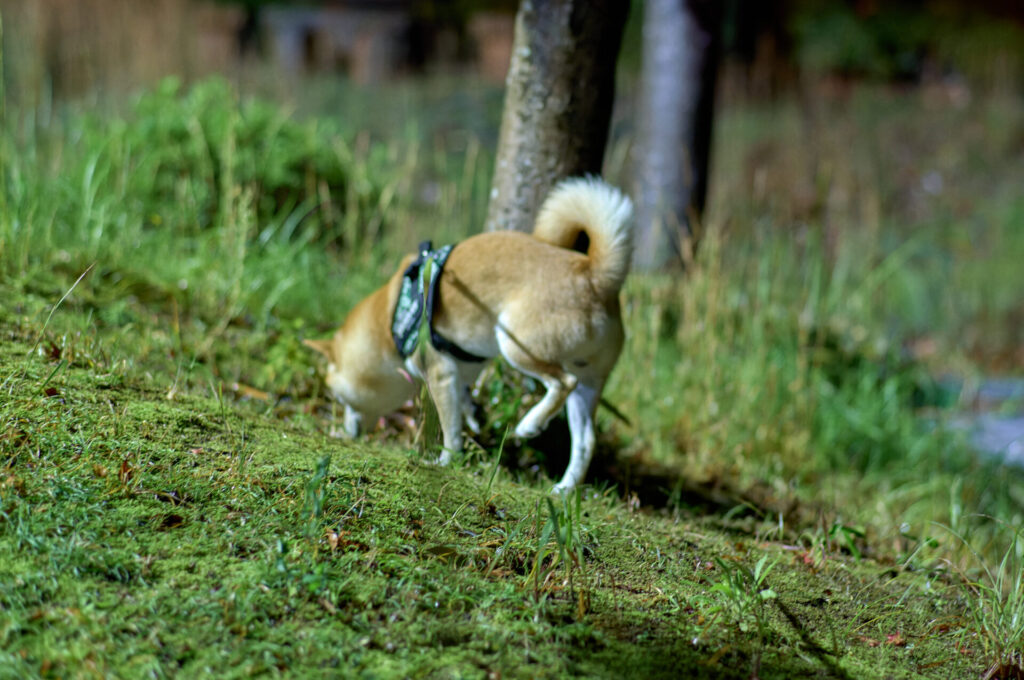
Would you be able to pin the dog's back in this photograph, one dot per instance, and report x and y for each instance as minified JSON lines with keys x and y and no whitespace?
{"x":536,"y":286}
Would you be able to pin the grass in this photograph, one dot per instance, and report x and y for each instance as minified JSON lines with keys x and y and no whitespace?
{"x":170,"y":503}
{"x":743,"y":598}
{"x":995,"y":603}
{"x":155,"y":536}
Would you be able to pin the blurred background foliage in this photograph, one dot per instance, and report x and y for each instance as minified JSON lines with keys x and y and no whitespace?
{"x":907,"y":42}
{"x":60,"y":49}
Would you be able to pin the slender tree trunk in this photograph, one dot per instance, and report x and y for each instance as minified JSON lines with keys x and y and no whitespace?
{"x":558,"y":102}
{"x":680,"y":60}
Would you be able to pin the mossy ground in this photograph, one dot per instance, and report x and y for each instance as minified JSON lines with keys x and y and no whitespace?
{"x":147,"y":531}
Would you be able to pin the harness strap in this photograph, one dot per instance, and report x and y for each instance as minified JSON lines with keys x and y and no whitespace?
{"x":443,"y":344}
{"x":408,"y":313}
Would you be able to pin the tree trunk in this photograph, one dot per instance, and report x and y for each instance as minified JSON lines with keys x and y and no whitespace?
{"x":558,"y":102}
{"x":680,"y":60}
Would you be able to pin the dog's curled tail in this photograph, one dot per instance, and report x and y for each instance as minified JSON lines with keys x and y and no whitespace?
{"x":590,"y":216}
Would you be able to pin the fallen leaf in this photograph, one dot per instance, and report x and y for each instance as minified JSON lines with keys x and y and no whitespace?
{"x":445,"y":553}
{"x":717,"y":656}
{"x":339,"y":539}
{"x":870,"y":642}
{"x":896,"y":639}
{"x":246,"y":392}
{"x":1004,"y":671}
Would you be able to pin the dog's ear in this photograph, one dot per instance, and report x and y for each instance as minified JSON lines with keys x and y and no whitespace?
{"x":322,"y":346}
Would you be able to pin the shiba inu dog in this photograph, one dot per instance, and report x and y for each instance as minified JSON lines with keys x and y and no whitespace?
{"x":548,"y":302}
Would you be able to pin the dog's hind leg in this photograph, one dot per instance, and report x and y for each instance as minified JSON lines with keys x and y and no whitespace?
{"x":580,"y":405}
{"x":557,"y":382}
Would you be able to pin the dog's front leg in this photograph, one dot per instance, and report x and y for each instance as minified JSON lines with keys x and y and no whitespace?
{"x":442,"y":377}
{"x":353,"y":421}
{"x":351,"y":425}
{"x":580,"y":406}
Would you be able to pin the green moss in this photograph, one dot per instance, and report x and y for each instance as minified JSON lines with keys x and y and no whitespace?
{"x":192,"y":536}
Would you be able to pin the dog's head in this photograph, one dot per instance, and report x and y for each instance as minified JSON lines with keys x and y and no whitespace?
{"x":328,"y":349}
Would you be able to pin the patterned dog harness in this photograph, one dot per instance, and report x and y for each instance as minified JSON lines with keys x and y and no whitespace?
{"x":408,"y":316}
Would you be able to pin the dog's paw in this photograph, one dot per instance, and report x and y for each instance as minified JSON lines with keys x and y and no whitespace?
{"x":444,"y":458}
{"x":336,"y":432}
{"x":526,"y":429}
{"x":562,"y":489}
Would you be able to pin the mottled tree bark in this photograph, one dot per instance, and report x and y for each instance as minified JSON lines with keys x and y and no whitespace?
{"x":680,"y":61}
{"x":558,"y":102}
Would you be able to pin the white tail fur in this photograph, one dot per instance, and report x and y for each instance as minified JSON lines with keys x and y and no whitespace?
{"x":604,"y":214}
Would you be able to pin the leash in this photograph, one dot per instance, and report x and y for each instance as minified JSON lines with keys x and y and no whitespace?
{"x":615,"y":412}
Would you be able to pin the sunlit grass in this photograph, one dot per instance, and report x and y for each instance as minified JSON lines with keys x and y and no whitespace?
{"x":994,"y":593}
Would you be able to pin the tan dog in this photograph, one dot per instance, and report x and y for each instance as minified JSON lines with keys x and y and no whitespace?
{"x":550,"y":311}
